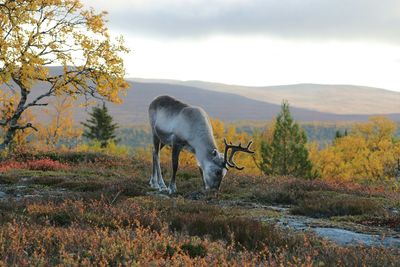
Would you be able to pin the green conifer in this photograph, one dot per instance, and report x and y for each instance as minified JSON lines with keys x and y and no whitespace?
{"x":100,"y":126}
{"x":287,"y":153}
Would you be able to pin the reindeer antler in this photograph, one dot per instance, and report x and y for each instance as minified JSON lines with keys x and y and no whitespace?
{"x":235,"y":148}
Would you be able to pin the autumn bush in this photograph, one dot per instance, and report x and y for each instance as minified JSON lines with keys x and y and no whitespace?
{"x":70,"y":157}
{"x":291,"y":191}
{"x":247,"y":233}
{"x":318,"y":204}
{"x":43,"y":164}
{"x":368,"y":154}
{"x":96,"y":213}
{"x":194,"y":250}
{"x":392,"y":221}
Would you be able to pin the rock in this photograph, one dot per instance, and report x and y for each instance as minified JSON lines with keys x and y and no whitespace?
{"x":195,"y":195}
{"x":345,"y":237}
{"x":2,"y":194}
{"x":339,"y":236}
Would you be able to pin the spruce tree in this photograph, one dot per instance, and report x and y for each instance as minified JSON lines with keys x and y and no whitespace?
{"x":100,"y":126}
{"x":286,"y":154}
{"x":339,"y":134}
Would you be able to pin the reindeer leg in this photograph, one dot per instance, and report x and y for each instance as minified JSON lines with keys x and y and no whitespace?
{"x":156,"y":163}
{"x":160,"y":180}
{"x":176,"y":149}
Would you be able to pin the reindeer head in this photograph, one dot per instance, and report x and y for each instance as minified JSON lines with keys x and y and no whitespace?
{"x":217,"y":167}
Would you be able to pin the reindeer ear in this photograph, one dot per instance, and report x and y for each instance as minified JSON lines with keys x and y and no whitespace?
{"x":215,"y":153}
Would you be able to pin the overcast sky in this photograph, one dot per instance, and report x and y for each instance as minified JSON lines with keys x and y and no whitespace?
{"x":260,"y":42}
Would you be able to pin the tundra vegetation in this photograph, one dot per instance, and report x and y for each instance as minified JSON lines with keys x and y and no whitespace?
{"x":81,"y":208}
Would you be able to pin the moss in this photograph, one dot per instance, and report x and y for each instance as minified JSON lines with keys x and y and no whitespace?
{"x":169,"y":251}
{"x":84,"y":186}
{"x":47,"y":180}
{"x":34,"y":173}
{"x":8,"y":179}
{"x":194,"y":250}
{"x":185,"y":175}
{"x":61,"y":218}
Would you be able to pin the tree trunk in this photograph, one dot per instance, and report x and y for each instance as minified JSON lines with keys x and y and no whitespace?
{"x":13,"y":123}
{"x":7,"y":139}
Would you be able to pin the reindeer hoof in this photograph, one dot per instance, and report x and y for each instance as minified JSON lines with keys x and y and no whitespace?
{"x":154,"y":185}
{"x":172,"y":190}
{"x":163,"y":189}
{"x":162,"y":186}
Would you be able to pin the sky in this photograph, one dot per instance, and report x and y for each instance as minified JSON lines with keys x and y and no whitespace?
{"x":260,"y":42}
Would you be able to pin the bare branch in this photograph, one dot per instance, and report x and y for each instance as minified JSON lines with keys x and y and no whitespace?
{"x":37,"y":105}
{"x":35,"y":102}
{"x":23,"y":127}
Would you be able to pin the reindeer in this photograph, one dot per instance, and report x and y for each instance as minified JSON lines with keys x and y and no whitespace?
{"x":182,"y":126}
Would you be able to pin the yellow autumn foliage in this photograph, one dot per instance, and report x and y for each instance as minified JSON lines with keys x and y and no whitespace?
{"x":36,"y":35}
{"x":60,"y":126}
{"x":369,"y":153}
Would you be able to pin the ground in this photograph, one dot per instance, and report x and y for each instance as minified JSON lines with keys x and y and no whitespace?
{"x":93,"y":209}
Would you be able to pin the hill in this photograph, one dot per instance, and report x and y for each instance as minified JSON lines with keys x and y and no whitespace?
{"x":223,"y":105}
{"x":228,"y":107}
{"x":337,"y":99}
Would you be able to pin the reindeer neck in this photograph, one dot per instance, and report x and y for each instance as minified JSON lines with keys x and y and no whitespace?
{"x":203,"y":149}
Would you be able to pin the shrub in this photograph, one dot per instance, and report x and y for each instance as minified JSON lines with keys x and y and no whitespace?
{"x":96,"y":213}
{"x":70,"y":157}
{"x":47,"y":180}
{"x":390,"y":222}
{"x":322,"y":205}
{"x":44,"y":164}
{"x":170,"y":251}
{"x":247,"y":233}
{"x":292,"y":191}
{"x":194,"y":250}
{"x":84,"y":186}
{"x":62,"y":218}
{"x":11,"y":165}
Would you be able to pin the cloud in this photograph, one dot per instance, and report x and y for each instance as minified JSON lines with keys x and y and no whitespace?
{"x":306,"y":19}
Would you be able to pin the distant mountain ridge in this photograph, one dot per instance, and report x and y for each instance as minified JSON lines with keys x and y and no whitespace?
{"x":225,"y":106}
{"x":234,"y":103}
{"x":336,"y":99}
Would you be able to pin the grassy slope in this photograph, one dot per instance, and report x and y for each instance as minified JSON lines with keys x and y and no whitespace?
{"x":99,"y":211}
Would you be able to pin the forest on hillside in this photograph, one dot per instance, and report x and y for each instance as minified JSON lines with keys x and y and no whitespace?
{"x":321,"y":132}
